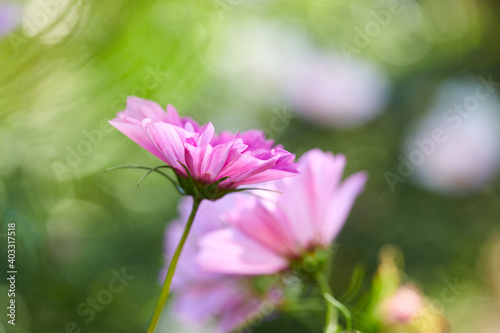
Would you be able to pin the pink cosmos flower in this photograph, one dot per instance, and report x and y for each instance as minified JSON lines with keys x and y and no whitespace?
{"x":246,"y":158}
{"x":202,"y":297}
{"x":266,"y":235}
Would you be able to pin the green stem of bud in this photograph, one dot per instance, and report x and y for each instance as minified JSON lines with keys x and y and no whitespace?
{"x":171,"y":268}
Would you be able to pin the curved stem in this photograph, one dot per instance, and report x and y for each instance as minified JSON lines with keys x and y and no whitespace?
{"x":171,"y":268}
{"x":331,"y":324}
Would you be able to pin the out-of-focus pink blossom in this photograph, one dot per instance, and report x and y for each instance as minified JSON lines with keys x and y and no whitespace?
{"x":328,"y":90}
{"x":246,"y":158}
{"x":265,"y":235}
{"x":10,"y":16}
{"x":403,"y":306}
{"x":455,"y":149}
{"x":203,"y":298}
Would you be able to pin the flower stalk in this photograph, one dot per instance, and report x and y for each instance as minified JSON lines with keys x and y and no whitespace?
{"x":171,"y":268}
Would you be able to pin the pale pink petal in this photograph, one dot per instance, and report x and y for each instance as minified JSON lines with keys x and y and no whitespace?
{"x":196,"y":157}
{"x":203,"y":301}
{"x":172,"y":116}
{"x":259,"y":166}
{"x":229,"y":251}
{"x":265,"y":223}
{"x":341,"y":204}
{"x":138,"y":135}
{"x":206,"y":136}
{"x":242,"y":167}
{"x":199,"y":156}
{"x":242,"y":311}
{"x":140,"y":108}
{"x":278,"y":171}
{"x":170,"y":141}
{"x":298,"y":216}
{"x":321,"y":173}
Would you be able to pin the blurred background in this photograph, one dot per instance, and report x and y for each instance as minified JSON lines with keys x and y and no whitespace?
{"x":408,"y":90}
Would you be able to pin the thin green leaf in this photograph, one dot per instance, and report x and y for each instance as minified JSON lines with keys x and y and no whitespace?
{"x":342,"y":309}
{"x":135,"y":167}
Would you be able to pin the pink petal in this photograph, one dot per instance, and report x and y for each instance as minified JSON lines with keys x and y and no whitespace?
{"x":341,"y":204}
{"x":239,"y":314}
{"x":205,"y":300}
{"x":169,"y":140}
{"x":321,"y":173}
{"x":196,"y":160}
{"x":139,"y":135}
{"x":199,"y":157}
{"x":172,"y":116}
{"x":243,"y":166}
{"x":278,"y":171}
{"x":264,"y":223}
{"x":206,"y":136}
{"x":229,"y":251}
{"x":139,"y":108}
{"x":221,"y":154}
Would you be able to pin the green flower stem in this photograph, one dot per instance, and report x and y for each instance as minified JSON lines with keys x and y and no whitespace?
{"x":171,"y":268}
{"x":331,"y":324}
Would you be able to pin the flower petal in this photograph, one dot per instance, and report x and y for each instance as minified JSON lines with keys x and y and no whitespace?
{"x":140,"y":108}
{"x":139,"y":135}
{"x":229,"y":251}
{"x":341,"y":204}
{"x":265,"y":223}
{"x":170,"y":141}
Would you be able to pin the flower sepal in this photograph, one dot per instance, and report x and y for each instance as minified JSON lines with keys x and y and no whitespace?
{"x":189,"y":186}
{"x":312,"y":262}
{"x":200,"y":190}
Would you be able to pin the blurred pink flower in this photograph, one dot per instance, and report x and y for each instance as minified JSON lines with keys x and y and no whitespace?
{"x":200,"y":297}
{"x":455,"y":148}
{"x":267,"y":234}
{"x":10,"y":16}
{"x":329,"y":91}
{"x":246,"y":158}
{"x":403,"y":306}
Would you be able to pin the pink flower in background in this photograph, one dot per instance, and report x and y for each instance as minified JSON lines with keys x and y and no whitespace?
{"x":455,"y":148}
{"x":265,"y":235}
{"x":10,"y":16}
{"x":329,"y":91}
{"x":201,"y":297}
{"x":246,"y":158}
{"x":403,"y":306}
{"x":325,"y":87}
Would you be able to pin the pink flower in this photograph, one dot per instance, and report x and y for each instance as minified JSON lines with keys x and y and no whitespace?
{"x":246,"y":158}
{"x":202,"y":297}
{"x":330,"y":91}
{"x":465,"y":156}
{"x":10,"y":16}
{"x":266,"y":235}
{"x":403,"y":306}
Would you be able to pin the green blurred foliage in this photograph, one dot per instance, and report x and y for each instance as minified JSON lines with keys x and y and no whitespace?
{"x":63,"y":80}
